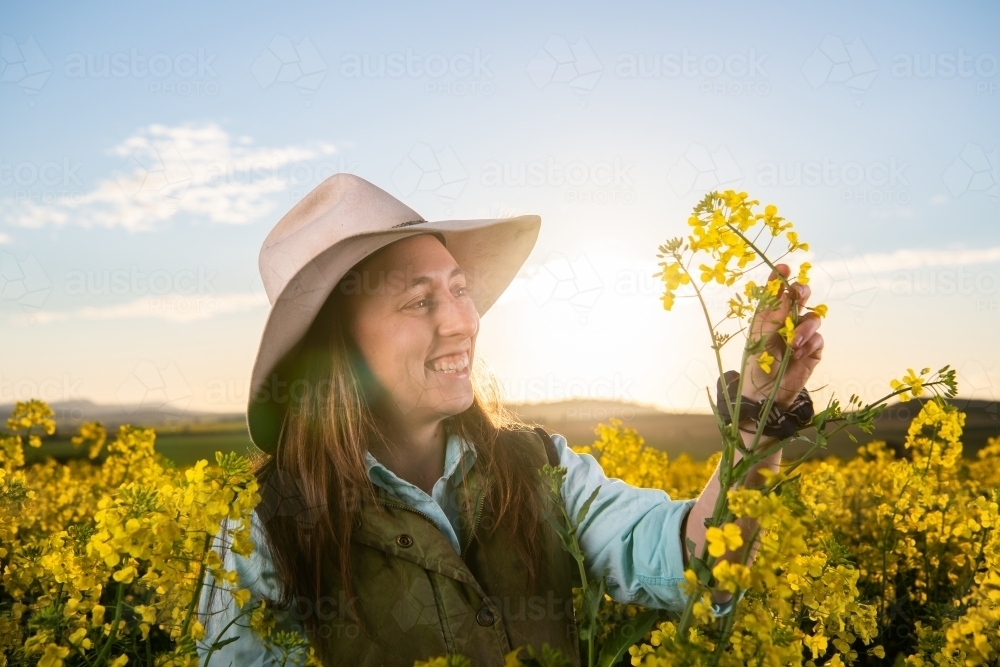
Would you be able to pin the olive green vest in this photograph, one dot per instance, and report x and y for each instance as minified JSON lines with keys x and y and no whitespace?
{"x":421,"y":599}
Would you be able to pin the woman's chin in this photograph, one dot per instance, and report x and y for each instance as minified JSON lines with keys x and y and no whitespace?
{"x":454,"y":405}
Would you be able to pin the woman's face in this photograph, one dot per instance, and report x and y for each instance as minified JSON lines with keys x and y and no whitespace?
{"x":416,"y":326}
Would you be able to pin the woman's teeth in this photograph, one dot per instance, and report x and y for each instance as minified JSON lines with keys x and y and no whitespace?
{"x":455,"y":366}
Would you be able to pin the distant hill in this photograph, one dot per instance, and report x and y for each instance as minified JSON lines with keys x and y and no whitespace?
{"x":697,"y":434}
{"x":674,"y":433}
{"x":70,"y":414}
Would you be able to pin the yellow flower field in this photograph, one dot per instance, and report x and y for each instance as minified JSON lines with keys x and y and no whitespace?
{"x":877,"y":560}
{"x":866,"y":561}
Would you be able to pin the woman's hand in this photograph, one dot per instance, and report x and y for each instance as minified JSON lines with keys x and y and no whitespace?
{"x":806,"y":347}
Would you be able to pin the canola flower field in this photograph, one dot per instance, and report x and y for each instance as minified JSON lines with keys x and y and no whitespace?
{"x":876,"y":560}
{"x":873,"y":560}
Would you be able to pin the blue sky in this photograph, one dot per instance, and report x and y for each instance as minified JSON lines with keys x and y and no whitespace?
{"x":149,"y":148}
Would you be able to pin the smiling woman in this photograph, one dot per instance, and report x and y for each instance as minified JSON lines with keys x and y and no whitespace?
{"x":402,"y":513}
{"x":416,"y":328}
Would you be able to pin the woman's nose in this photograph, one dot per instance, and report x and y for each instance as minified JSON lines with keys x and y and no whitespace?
{"x":458,"y":317}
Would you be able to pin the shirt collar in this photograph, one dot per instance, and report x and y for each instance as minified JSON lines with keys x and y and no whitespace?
{"x":459,"y":455}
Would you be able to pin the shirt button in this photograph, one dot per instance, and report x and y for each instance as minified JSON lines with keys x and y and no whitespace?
{"x":485,"y":617}
{"x":404,"y":541}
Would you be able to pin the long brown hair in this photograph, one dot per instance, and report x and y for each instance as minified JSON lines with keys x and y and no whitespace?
{"x":318,"y":470}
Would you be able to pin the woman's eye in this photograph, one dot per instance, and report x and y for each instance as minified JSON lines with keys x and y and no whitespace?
{"x":421,"y":303}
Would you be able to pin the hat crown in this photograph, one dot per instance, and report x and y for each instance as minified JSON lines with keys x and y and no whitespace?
{"x":342,"y":206}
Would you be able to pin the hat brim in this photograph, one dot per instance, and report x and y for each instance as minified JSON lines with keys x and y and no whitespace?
{"x":490,"y":251}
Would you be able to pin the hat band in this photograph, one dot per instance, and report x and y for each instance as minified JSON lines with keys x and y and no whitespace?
{"x":408,"y":223}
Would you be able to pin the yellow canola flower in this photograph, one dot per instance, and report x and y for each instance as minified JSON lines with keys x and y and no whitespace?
{"x":716,"y":273}
{"x":821,"y":310}
{"x":53,"y":656}
{"x":803,"y":277}
{"x":764,"y":361}
{"x":731,"y":576}
{"x":721,"y":540}
{"x":913,"y":381}
{"x":788,"y":331}
{"x":793,"y":242}
{"x":673,"y":276}
{"x":241,"y":597}
{"x":124,"y":575}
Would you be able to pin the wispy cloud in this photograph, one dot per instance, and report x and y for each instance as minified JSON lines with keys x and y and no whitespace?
{"x":837,"y":275}
{"x":908,"y":259}
{"x":171,"y":307}
{"x":198,"y":170}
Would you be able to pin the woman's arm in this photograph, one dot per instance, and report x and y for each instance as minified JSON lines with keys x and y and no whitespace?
{"x":806,"y":350}
{"x":694,"y":522}
{"x":630,"y":533}
{"x":223,"y":620}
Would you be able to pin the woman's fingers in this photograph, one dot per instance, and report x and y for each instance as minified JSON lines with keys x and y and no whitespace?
{"x":767,"y":322}
{"x":801,"y":293}
{"x":812,"y":349}
{"x":806,"y":328}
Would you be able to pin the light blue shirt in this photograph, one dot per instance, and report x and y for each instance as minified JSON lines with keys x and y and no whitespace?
{"x":632,"y":532}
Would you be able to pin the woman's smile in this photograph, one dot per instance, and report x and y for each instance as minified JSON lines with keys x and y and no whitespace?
{"x":453,"y":365}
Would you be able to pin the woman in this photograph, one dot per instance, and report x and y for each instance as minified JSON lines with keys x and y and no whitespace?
{"x":403,"y":513}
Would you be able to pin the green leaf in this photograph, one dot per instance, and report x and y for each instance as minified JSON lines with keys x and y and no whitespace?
{"x":624,"y":635}
{"x":223,"y":642}
{"x":582,"y":514}
{"x":592,"y":598}
{"x":701,"y":569}
{"x":691,"y":547}
{"x":557,"y":525}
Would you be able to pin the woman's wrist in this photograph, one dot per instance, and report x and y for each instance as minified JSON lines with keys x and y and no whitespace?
{"x":781,"y":419}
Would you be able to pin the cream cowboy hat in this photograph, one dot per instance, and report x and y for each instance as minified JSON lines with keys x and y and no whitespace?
{"x":338,"y":224}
